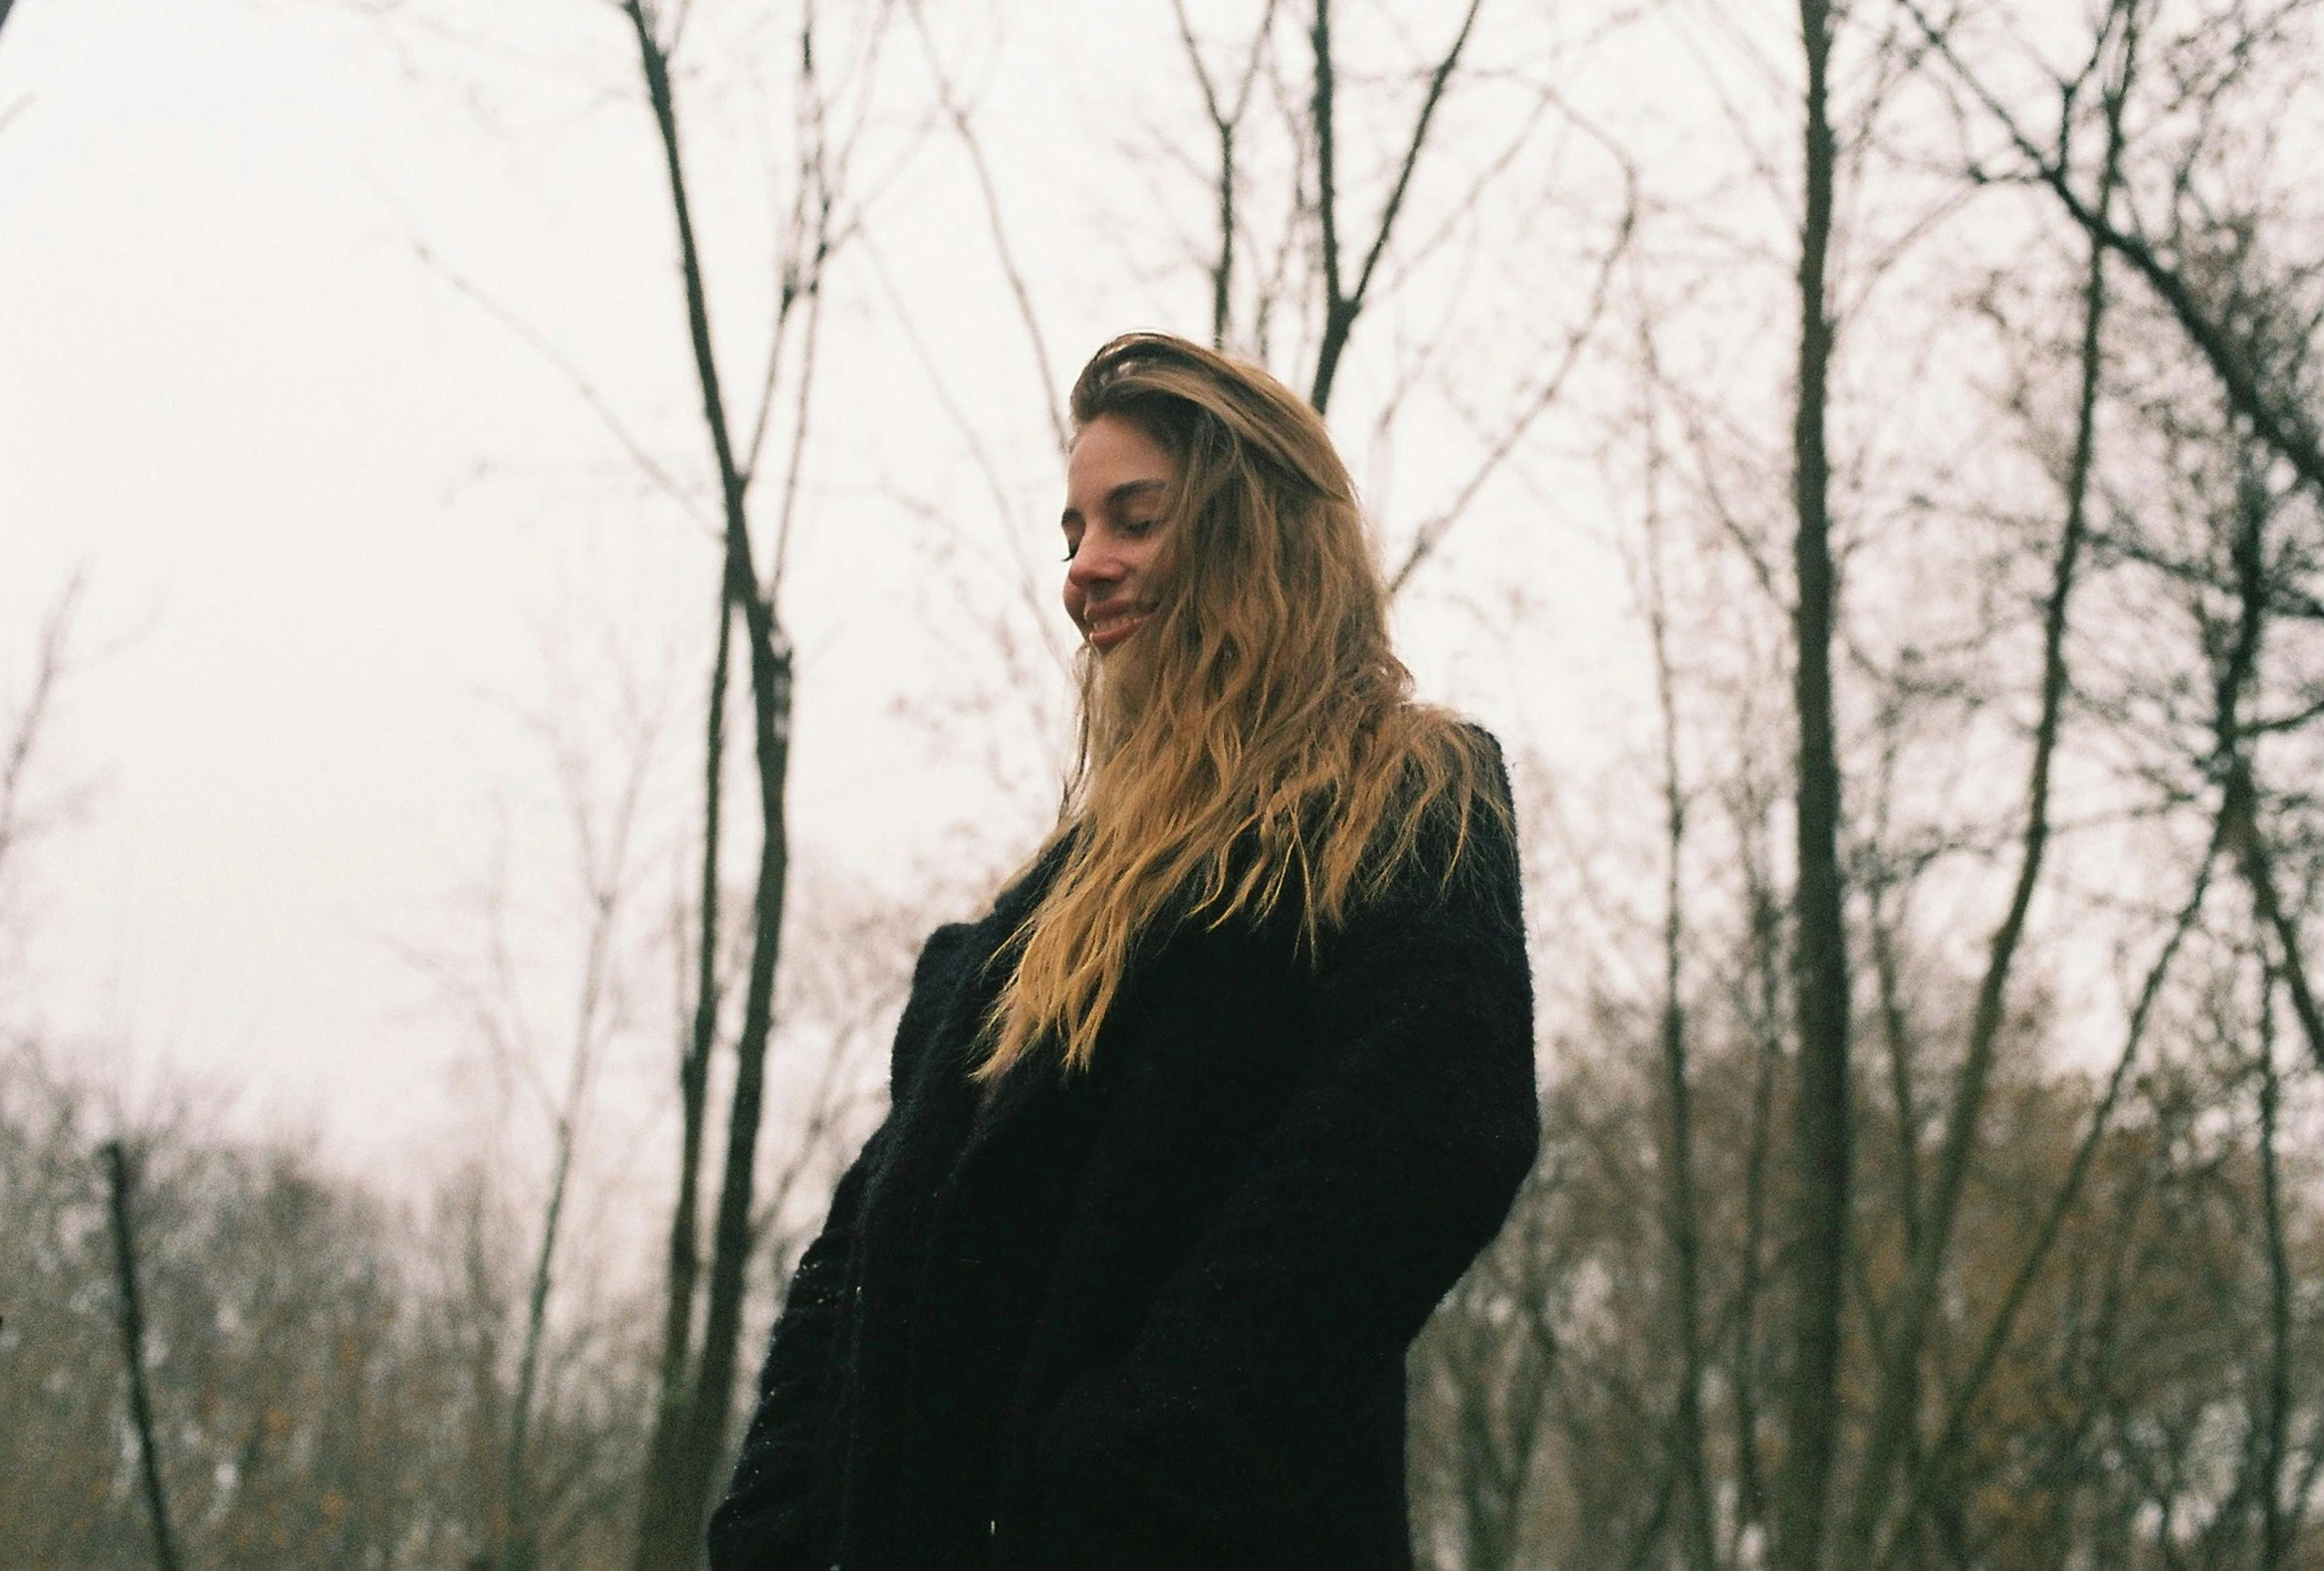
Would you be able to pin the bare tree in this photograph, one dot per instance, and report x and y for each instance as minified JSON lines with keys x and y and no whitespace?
{"x":603,"y":853}
{"x":694,"y":1412}
{"x":1682,"y":1220}
{"x":1931,"y":1218}
{"x":116,"y":1166}
{"x":1822,"y":1098}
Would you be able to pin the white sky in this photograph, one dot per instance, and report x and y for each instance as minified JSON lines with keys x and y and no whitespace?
{"x":340,"y":529}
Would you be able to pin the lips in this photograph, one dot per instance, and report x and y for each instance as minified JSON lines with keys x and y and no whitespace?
{"x":1110,"y":628}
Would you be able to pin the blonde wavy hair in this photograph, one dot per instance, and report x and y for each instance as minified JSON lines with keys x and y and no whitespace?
{"x":1255,"y":747}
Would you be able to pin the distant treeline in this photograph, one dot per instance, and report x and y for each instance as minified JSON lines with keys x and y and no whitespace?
{"x":332,"y":1378}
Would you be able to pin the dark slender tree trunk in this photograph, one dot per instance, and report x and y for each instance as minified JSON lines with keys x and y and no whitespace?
{"x":1762,"y":986}
{"x":673,"y":1412}
{"x":1338,"y":316}
{"x":681,"y":1506}
{"x":1820,"y":1099}
{"x":125,"y":1255}
{"x":730,"y":1247}
{"x":1689,"y":1460}
{"x":2275,"y":1421}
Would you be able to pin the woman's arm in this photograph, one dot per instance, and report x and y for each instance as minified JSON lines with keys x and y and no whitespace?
{"x":1393,"y":1165}
{"x":762,"y":1524}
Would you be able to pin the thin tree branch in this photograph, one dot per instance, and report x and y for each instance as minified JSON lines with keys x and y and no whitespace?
{"x":1891,"y":1429}
{"x":2274,"y":1420}
{"x":1225,"y":122}
{"x":1955,"y":1431}
{"x":979,"y":452}
{"x":1431,"y":531}
{"x":1341,"y":308}
{"x":2283,"y":426}
{"x":50,"y":664}
{"x":1682,"y":1226}
{"x":948,"y":98}
{"x":576,"y":378}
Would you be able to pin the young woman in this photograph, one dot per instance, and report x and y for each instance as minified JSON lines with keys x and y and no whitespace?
{"x":1193,"y":1129}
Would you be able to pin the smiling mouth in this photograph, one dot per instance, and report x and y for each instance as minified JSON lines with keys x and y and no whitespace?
{"x":1110,"y":629}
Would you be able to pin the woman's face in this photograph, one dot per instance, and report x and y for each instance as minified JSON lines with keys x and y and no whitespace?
{"x":1119,"y":485}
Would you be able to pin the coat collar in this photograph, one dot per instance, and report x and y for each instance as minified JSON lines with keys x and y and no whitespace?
{"x":1039,"y":1078}
{"x":954,"y":1110}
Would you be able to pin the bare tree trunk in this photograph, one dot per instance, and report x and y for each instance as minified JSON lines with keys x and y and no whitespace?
{"x":1892,"y":1433}
{"x":601,"y":850}
{"x":520,"y":1549}
{"x":1679,"y":1222}
{"x":1820,"y":1110}
{"x":2274,"y":1420}
{"x":1763,"y":985}
{"x":678,"y":1498}
{"x":665,"y":1452}
{"x":730,"y":1246}
{"x":124,"y":1255}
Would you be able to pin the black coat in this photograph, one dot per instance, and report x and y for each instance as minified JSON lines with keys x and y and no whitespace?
{"x":1153,"y":1316}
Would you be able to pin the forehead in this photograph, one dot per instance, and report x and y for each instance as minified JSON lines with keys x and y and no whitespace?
{"x":1110,"y":453}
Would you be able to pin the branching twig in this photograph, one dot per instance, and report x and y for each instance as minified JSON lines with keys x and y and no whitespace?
{"x":1891,"y":1426}
{"x":1432,"y":533}
{"x":948,"y":98}
{"x":574,"y":376}
{"x":1226,"y":121}
{"x":2283,"y":426}
{"x":1341,"y":305}
{"x":51,"y":665}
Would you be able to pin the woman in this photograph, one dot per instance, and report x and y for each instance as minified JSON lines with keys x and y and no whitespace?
{"x":1190,"y":1133}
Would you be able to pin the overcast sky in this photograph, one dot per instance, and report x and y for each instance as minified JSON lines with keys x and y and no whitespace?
{"x":347,"y":541}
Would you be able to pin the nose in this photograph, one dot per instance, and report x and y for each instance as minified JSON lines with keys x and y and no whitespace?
{"x":1095,"y":563}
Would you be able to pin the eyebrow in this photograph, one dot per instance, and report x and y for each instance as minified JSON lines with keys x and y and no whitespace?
{"x":1119,"y":495}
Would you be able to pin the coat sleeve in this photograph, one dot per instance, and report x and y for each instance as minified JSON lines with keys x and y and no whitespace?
{"x":764,"y":1523}
{"x":1394,"y":1163}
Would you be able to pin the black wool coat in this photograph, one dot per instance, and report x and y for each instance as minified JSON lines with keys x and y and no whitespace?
{"x":1153,"y":1316}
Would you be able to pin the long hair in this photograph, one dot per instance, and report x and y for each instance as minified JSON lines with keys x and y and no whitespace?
{"x":1255,"y":748}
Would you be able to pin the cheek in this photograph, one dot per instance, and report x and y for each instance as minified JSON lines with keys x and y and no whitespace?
{"x":1154,"y":565}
